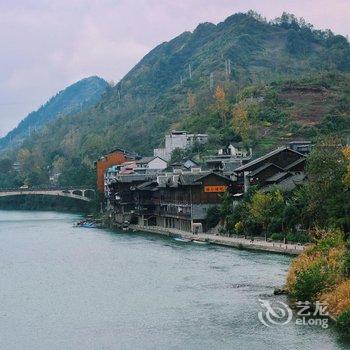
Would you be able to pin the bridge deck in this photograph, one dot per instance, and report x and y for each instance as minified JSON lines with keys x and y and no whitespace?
{"x":76,"y":193}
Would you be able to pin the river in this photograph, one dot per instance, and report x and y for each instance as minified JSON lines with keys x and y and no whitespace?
{"x":73,"y":288}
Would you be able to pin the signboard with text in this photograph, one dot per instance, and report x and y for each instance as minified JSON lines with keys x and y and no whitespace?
{"x":215,"y":189}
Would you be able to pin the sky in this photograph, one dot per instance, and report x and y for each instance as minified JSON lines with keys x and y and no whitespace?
{"x":47,"y":45}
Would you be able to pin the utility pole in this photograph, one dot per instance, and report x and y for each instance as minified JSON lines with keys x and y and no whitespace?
{"x":211,"y":81}
{"x":228,"y":68}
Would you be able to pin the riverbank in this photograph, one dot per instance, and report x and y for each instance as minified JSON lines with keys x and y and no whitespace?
{"x":321,"y":274}
{"x":235,"y":242}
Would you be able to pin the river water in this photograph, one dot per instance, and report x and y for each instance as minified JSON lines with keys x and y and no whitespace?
{"x":73,"y":288}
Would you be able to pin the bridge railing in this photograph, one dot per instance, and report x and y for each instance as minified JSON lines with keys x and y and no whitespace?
{"x":46,"y":188}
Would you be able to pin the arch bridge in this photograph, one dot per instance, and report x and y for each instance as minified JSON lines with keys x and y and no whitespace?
{"x":83,"y":194}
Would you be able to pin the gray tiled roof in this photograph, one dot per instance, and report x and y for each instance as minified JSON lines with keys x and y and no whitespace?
{"x":263,"y":167}
{"x":265,"y":157}
{"x":134,"y":177}
{"x":287,"y":184}
{"x":145,"y":160}
{"x":298,"y":161}
{"x":190,"y":178}
{"x":278,"y":176}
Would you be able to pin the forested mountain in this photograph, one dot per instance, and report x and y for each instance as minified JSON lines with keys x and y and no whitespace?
{"x":244,"y":78}
{"x":75,"y":98}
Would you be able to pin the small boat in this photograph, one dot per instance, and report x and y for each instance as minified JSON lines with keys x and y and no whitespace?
{"x":199,"y":242}
{"x":181,"y":239}
{"x":88,"y":224}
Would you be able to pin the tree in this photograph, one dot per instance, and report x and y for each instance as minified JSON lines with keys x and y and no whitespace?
{"x":260,"y":209}
{"x":326,"y":169}
{"x":296,"y":44}
{"x":267,"y":210}
{"x":191,"y":100}
{"x":221,"y":104}
{"x":5,"y":165}
{"x":346,"y":152}
{"x":177,"y":155}
{"x":76,"y":173}
{"x":213,"y":217}
{"x":240,"y":121}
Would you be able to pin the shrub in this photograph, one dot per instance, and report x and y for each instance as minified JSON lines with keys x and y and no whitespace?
{"x":338,"y":299}
{"x":213,"y":217}
{"x":300,"y":237}
{"x":277,"y":236}
{"x":329,"y":240}
{"x":311,"y":281}
{"x":343,"y":321}
{"x":317,"y":268}
{"x":239,"y":228}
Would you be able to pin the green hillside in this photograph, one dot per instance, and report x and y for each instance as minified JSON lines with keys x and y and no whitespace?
{"x":75,"y":98}
{"x":245,"y":78}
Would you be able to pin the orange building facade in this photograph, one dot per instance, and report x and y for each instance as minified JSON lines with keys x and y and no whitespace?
{"x":115,"y":157}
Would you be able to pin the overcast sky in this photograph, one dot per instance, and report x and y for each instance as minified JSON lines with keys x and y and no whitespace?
{"x":47,"y":45}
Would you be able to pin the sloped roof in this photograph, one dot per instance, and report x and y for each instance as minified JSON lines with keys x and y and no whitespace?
{"x":303,"y":142}
{"x":236,"y":144}
{"x":301,"y":160}
{"x":278,"y":176}
{"x":146,"y":160}
{"x":147,"y":186}
{"x":194,"y":178}
{"x":128,"y":178}
{"x":231,"y":165}
{"x":191,"y":178}
{"x":267,"y":156}
{"x":263,"y":167}
{"x":287,"y":184}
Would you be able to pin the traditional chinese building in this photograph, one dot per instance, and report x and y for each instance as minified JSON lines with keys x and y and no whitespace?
{"x":174,"y":200}
{"x":273,"y":168}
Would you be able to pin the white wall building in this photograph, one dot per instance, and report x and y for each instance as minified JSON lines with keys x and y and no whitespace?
{"x":235,"y":150}
{"x":178,"y":139}
{"x":154,"y":163}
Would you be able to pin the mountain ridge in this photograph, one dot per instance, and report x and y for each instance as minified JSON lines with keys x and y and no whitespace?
{"x":75,"y":97}
{"x":175,"y":85}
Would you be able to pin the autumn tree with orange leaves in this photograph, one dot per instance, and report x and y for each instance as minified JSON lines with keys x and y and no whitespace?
{"x":221,"y":104}
{"x":240,"y":121}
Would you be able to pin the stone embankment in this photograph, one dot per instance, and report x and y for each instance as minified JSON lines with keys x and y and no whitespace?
{"x":236,"y":242}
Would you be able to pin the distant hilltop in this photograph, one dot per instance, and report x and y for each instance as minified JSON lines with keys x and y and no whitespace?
{"x":73,"y":99}
{"x":243,"y":80}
